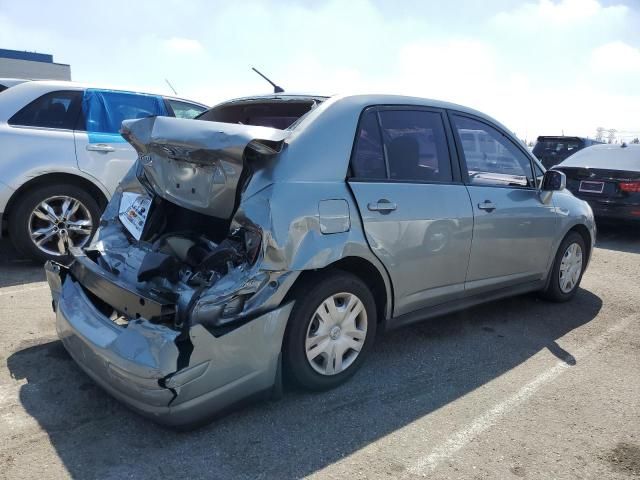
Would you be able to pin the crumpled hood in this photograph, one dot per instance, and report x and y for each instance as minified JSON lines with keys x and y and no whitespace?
{"x":198,"y":164}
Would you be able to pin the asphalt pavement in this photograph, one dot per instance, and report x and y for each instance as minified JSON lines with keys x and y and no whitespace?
{"x":518,"y":388}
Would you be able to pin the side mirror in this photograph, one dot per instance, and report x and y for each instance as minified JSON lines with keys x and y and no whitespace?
{"x":553,"y":181}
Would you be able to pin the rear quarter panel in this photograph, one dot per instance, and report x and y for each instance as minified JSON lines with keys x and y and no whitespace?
{"x":288,"y":214}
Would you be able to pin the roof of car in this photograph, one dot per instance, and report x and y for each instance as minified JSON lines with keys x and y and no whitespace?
{"x":366,"y":99}
{"x":10,"y":82}
{"x":45,"y":85}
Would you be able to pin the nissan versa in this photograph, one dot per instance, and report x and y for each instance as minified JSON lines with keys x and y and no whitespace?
{"x":235,"y":254}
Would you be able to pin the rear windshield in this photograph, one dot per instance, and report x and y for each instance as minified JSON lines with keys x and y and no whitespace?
{"x":274,"y":114}
{"x":548,"y":146}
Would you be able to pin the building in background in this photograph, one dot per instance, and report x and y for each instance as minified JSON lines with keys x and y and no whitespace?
{"x":31,"y":65}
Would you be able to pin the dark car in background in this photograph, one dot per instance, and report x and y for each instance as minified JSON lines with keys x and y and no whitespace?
{"x":554,"y":150}
{"x":608,"y":178}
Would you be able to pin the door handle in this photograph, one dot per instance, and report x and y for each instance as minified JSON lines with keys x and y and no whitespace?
{"x":488,"y":205}
{"x":100,"y":147}
{"x":383,"y":206}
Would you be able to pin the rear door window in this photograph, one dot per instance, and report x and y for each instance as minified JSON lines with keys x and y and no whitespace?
{"x":491,"y":157}
{"x":405,"y":145}
{"x":52,"y":110}
{"x":416,"y":145}
{"x":105,"y":110}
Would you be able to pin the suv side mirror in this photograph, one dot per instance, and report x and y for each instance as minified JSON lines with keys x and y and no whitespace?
{"x":553,"y":180}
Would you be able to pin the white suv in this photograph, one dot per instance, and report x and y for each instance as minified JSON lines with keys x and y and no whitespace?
{"x":62,"y":157}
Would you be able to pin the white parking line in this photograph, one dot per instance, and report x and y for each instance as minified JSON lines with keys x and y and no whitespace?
{"x":463,"y":437}
{"x":23,"y":290}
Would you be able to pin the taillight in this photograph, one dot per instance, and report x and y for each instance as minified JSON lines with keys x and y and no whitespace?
{"x":630,"y":187}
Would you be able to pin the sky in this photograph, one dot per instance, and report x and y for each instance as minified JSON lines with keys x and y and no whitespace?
{"x":541,"y":67}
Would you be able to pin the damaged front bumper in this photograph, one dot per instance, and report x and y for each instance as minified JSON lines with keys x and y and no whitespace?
{"x":176,"y":378}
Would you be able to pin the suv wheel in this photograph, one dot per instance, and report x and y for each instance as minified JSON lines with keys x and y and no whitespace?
{"x":50,"y":219}
{"x":331,"y":329}
{"x":567,"y":270}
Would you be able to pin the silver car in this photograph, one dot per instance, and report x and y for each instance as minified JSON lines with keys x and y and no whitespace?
{"x":235,"y":254}
{"x":62,"y":158}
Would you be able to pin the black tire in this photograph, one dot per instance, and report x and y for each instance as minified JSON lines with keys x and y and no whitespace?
{"x":25,"y":205}
{"x":308,"y":297}
{"x":554,"y":292}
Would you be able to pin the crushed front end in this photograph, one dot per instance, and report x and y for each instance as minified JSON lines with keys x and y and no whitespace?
{"x":169,"y":308}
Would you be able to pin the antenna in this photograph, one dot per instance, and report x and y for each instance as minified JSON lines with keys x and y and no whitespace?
{"x":171,"y":86}
{"x":276,"y":88}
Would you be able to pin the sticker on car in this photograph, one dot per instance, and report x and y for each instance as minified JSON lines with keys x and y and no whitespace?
{"x":133,"y":212}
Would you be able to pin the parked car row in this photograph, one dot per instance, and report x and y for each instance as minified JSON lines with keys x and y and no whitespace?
{"x":275,"y":236}
{"x":63,"y":157}
{"x":552,"y":150}
{"x":608,"y":178}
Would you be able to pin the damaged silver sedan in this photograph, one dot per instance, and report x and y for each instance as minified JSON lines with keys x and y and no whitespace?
{"x":275,"y":235}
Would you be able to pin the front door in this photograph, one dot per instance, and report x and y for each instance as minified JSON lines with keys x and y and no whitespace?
{"x":417,"y":216}
{"x":101,"y":150}
{"x":513,"y":229}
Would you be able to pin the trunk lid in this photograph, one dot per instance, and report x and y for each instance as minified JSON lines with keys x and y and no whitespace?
{"x":199,"y":165}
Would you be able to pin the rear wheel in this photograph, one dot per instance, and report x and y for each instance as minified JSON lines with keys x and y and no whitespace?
{"x":48,"y":220}
{"x":567,"y":270}
{"x":330,"y":331}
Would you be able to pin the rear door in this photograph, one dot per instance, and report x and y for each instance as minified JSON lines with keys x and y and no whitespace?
{"x":416,"y":212}
{"x":101,"y":150}
{"x":513,"y":229}
{"x":40,"y":135}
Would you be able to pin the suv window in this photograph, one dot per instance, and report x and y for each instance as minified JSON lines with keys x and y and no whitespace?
{"x":185,"y":109}
{"x":52,"y":110}
{"x":491,"y":157}
{"x":416,"y":145}
{"x":105,"y":110}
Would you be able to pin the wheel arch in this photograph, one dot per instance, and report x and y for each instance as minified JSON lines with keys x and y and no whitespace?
{"x":96,"y":190}
{"x":583,"y":231}
{"x":366,"y":271}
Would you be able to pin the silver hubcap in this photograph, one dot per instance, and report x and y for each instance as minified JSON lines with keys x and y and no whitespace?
{"x":570,"y":268}
{"x":336,"y":333}
{"x":58,"y":223}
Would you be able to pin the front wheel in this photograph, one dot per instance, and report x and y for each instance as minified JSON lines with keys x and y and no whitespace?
{"x":331,"y":329}
{"x":567,"y":270}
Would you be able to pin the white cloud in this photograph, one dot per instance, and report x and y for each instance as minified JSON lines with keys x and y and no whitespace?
{"x":616,"y":57}
{"x":183,"y":45}
{"x":539,"y":67}
{"x":565,"y":13}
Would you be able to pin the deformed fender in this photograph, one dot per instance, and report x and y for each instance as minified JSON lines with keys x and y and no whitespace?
{"x":571,"y":212}
{"x":288,"y":215}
